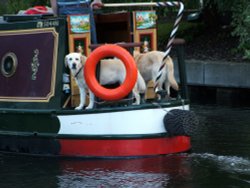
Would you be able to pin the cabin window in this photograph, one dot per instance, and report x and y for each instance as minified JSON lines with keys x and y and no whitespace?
{"x":9,"y":64}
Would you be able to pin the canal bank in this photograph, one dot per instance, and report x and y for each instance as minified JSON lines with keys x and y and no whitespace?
{"x":218,"y":82}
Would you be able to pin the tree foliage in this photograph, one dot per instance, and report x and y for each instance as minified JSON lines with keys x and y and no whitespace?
{"x":240,"y":10}
{"x":241,"y":24}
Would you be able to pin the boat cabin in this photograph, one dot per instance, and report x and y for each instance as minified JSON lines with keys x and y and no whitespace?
{"x":33,"y":48}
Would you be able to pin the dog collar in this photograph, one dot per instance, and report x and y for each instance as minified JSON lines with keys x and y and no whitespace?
{"x":78,"y":72}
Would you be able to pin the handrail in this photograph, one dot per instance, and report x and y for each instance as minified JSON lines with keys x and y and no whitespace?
{"x":122,"y":44}
{"x":130,"y":4}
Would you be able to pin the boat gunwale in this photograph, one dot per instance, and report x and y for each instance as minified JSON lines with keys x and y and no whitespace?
{"x":151,"y":105}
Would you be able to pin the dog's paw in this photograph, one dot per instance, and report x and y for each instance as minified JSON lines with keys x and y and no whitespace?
{"x":136,"y":103}
{"x":79,"y":108}
{"x":89,"y":107}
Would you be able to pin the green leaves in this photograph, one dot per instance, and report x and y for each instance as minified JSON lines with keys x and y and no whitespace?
{"x":240,"y":21}
{"x":241,"y":24}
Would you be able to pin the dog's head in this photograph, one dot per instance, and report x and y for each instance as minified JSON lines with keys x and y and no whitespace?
{"x":75,"y":61}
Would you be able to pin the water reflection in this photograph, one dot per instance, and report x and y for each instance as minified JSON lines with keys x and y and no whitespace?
{"x":220,"y":171}
{"x":223,"y":131}
{"x":140,"y":172}
{"x":18,"y":171}
{"x":232,"y":164}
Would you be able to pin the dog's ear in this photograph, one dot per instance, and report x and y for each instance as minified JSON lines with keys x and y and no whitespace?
{"x":66,"y":61}
{"x":83,"y":59}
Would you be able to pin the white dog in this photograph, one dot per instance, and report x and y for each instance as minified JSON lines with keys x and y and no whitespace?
{"x":149,"y":63}
{"x":111,"y":71}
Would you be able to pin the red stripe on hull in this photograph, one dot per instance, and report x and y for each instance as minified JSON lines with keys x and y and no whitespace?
{"x":124,"y":148}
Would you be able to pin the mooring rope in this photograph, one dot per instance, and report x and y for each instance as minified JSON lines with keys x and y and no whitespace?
{"x":159,"y":106}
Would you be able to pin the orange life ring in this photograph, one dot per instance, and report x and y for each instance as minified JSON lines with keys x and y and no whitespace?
{"x":110,"y":50}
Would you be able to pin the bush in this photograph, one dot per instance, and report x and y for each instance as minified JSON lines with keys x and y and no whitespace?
{"x":187,"y":31}
{"x":240,"y":10}
{"x":241,"y":24}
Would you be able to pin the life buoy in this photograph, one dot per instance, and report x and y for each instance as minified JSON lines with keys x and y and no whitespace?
{"x":110,"y":50}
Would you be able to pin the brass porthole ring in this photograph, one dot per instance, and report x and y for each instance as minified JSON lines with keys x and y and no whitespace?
{"x":9,"y":64}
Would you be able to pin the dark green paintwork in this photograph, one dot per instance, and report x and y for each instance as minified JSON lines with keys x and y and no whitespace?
{"x":29,"y":122}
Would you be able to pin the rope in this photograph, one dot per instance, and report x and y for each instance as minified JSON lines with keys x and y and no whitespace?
{"x":168,"y":111}
{"x":159,"y":106}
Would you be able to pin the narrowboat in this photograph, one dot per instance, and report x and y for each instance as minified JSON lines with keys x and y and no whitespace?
{"x":37,"y":102}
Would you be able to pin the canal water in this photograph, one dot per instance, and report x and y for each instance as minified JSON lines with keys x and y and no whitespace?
{"x":220,"y":157}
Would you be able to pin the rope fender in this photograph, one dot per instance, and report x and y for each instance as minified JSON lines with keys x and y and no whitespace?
{"x":179,"y":122}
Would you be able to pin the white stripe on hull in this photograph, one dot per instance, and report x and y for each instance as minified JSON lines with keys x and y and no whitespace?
{"x":144,"y":121}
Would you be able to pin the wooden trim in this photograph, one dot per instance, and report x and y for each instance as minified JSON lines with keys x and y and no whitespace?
{"x":138,"y":32}
{"x":85,"y":39}
{"x":151,"y":32}
{"x":78,"y":37}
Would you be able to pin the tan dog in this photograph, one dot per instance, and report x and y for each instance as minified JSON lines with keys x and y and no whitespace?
{"x":149,"y":63}
{"x":112,"y":71}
